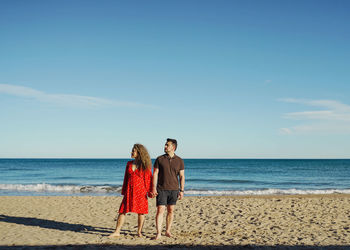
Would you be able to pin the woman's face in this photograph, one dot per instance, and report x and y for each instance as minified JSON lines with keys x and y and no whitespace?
{"x":133,"y":153}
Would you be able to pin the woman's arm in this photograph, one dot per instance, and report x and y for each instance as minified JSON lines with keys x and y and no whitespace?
{"x":148,"y":182}
{"x":125,"y":182}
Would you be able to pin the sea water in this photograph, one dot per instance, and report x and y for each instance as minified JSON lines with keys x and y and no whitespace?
{"x":203,"y":176}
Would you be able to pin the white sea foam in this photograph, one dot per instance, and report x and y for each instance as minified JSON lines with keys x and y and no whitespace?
{"x":43,"y":187}
{"x":76,"y":189}
{"x":267,"y":192}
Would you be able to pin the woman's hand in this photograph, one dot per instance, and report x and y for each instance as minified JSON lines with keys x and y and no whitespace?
{"x":154,"y":193}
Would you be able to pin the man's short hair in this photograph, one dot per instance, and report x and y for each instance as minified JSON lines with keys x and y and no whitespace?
{"x":173,"y":141}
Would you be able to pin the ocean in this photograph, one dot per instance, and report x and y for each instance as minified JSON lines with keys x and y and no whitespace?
{"x":62,"y":177}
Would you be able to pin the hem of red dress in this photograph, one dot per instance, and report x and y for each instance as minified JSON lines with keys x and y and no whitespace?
{"x":122,"y":212}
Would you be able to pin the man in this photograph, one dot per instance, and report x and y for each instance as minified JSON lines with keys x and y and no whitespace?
{"x":168,"y":169}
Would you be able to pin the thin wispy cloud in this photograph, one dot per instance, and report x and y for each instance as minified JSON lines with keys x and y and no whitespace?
{"x":285,"y":131}
{"x":330,"y":117}
{"x":66,"y":99}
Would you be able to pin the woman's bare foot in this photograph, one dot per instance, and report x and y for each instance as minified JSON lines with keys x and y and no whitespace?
{"x":139,"y":235}
{"x":158,"y":236}
{"x":114,"y":235}
{"x":168,"y":234}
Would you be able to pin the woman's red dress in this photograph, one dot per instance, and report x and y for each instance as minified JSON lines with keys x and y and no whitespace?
{"x":136,"y":186}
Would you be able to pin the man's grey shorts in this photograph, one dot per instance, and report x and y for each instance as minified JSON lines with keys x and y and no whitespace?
{"x":167,"y":197}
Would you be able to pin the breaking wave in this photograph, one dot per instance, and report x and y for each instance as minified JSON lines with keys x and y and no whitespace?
{"x":48,"y":188}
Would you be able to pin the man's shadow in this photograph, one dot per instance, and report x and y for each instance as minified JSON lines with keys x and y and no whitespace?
{"x":51,"y":224}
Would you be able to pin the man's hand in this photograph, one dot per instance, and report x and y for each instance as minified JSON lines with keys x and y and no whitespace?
{"x":181,"y":195}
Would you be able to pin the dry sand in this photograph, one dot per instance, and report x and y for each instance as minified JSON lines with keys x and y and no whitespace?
{"x":291,"y":222}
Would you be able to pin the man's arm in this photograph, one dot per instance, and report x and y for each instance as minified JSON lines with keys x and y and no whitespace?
{"x":182,"y":183}
{"x":155,"y":181}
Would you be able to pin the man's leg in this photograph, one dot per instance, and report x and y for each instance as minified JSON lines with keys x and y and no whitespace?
{"x":169,"y":219}
{"x":159,"y":221}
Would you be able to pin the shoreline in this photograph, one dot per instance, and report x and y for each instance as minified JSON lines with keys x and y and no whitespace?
{"x":105,"y":190}
{"x":192,"y":195}
{"x":258,"y":221}
{"x":245,"y":196}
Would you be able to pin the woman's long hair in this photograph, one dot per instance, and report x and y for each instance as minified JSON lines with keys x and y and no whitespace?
{"x":143,"y":160}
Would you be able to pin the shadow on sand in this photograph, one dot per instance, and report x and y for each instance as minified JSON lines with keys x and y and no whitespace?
{"x":51,"y":224}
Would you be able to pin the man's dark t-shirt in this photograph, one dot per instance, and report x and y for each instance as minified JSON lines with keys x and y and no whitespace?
{"x":169,"y":169}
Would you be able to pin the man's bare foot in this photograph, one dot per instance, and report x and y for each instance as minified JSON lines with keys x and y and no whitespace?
{"x":114,"y":235}
{"x":158,"y":236}
{"x":168,"y":234}
{"x":140,"y":235}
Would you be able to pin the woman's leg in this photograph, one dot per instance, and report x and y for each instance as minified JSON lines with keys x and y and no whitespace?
{"x":141,"y":221}
{"x":120,"y":222}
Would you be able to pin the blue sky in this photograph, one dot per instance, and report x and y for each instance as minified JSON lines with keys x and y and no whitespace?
{"x":227,"y":79}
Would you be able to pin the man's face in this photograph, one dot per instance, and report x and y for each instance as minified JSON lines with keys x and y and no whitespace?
{"x":169,"y":147}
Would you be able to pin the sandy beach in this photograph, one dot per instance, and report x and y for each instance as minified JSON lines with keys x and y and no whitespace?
{"x":308,"y":221}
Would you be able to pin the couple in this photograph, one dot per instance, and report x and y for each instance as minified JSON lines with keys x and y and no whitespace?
{"x":138,"y":184}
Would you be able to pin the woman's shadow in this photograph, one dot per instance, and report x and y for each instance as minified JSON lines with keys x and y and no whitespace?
{"x":51,"y":224}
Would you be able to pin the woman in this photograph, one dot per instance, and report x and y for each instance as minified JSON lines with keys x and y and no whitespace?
{"x":136,"y":187}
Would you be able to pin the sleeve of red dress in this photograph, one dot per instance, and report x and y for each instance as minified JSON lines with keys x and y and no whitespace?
{"x":125,"y":182}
